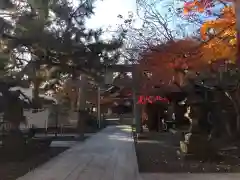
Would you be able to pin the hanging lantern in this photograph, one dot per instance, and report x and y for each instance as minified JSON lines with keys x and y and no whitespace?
{"x":127,"y":103}
{"x":109,"y":78}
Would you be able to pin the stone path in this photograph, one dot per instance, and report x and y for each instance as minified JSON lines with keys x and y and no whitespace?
{"x":108,"y":155}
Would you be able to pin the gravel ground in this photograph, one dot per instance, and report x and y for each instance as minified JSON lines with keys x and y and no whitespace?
{"x":158,"y":153}
{"x":11,"y":170}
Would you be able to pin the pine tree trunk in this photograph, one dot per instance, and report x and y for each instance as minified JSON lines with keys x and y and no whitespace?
{"x":36,"y":100}
{"x":36,"y":85}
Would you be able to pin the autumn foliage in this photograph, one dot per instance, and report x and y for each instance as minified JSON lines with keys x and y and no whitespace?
{"x":197,"y":5}
{"x":220,"y":34}
{"x":163,"y":63}
{"x":200,"y":5}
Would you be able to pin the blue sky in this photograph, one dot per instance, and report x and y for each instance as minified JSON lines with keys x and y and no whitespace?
{"x":216,"y":9}
{"x":106,"y":12}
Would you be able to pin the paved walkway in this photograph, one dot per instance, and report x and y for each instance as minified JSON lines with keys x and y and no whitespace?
{"x":108,"y":155}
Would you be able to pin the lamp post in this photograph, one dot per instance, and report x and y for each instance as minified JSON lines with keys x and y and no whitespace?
{"x":98,"y":107}
{"x":82,"y":105}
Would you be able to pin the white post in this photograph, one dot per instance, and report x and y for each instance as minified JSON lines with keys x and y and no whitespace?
{"x":46,"y":124}
{"x":98,"y":107}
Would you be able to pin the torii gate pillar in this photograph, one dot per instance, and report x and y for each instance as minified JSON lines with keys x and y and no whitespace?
{"x":136,"y":106}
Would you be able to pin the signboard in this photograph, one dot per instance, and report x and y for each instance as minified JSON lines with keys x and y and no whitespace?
{"x":151,"y":99}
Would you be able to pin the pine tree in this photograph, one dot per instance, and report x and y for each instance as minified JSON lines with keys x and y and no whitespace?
{"x":53,"y":34}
